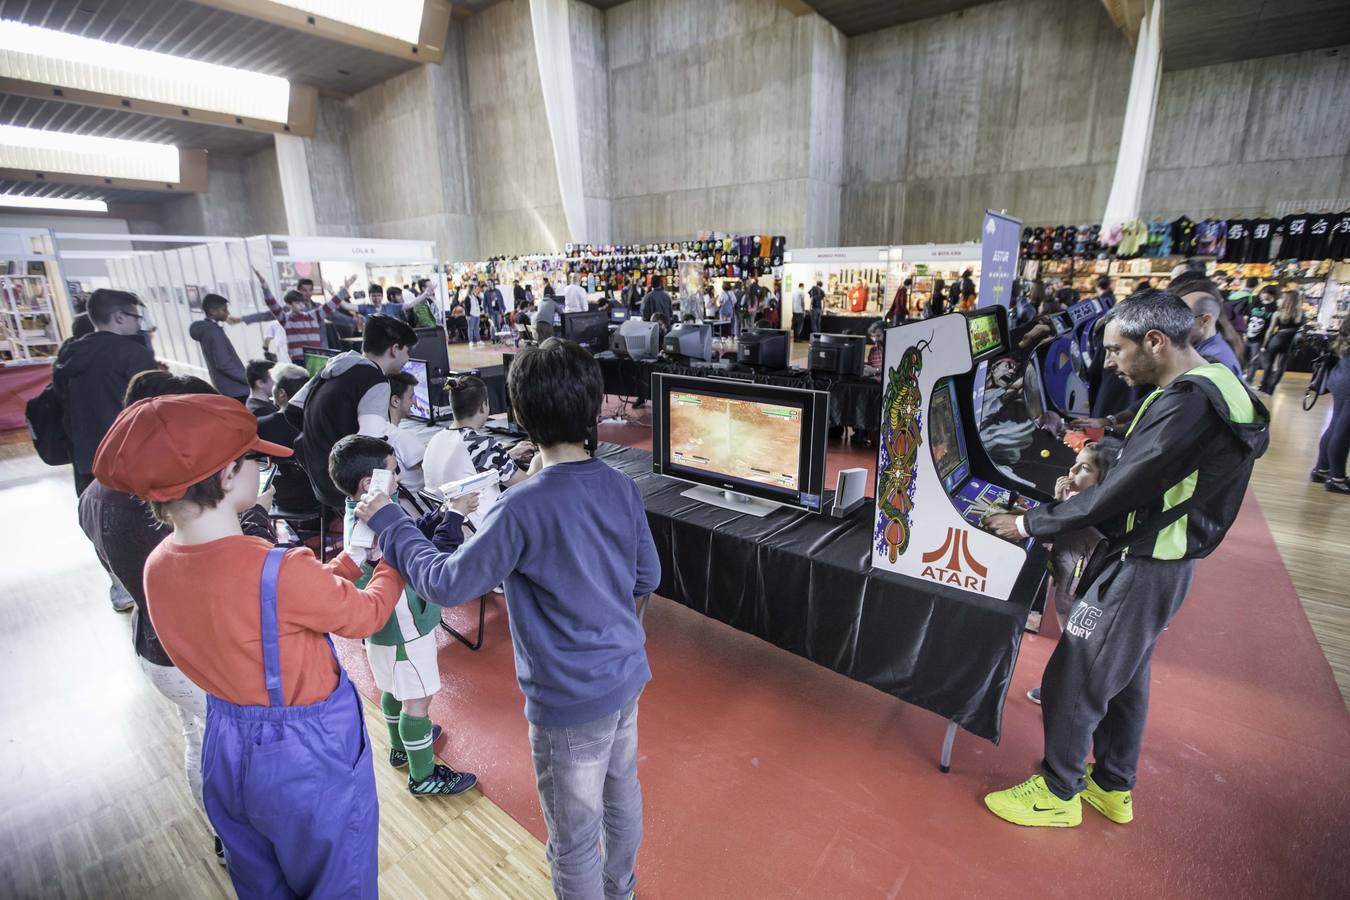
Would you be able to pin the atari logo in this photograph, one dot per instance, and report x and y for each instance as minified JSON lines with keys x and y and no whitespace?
{"x":960,"y":569}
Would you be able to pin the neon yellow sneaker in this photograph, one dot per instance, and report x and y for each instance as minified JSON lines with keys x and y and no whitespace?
{"x":1115,"y":805}
{"x":1032,"y":803}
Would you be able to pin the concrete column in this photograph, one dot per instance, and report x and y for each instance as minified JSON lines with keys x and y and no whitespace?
{"x":1136,"y":135}
{"x":296,"y":191}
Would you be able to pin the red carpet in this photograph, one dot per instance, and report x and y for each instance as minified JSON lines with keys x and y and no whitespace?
{"x":767,"y":776}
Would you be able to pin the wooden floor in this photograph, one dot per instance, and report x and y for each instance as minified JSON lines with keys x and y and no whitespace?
{"x":95,"y":803}
{"x":1311,"y":527}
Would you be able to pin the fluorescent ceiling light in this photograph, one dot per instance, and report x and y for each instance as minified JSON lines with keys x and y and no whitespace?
{"x":53,"y":203}
{"x":400,"y":19}
{"x":80,"y":154}
{"x":40,"y":55}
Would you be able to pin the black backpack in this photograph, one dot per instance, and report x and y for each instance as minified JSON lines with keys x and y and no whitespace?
{"x":46,"y":426}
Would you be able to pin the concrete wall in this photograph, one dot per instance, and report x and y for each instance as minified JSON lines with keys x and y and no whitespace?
{"x":590,"y":73}
{"x":1240,"y":139}
{"x":1014,"y":105}
{"x":243,"y":197}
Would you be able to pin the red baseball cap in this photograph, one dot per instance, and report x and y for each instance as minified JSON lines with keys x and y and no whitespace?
{"x":159,"y":447}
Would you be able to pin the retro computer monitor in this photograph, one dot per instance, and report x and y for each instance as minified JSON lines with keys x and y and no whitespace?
{"x":746,"y":447}
{"x":590,"y":329}
{"x":764,"y":348}
{"x":637,"y":339}
{"x":690,"y":341}
{"x":316,"y":358}
{"x":837,"y":354}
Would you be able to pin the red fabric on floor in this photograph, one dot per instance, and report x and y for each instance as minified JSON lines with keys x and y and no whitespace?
{"x":767,"y":776}
{"x":18,"y":385}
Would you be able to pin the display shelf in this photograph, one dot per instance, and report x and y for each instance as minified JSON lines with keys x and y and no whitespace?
{"x":27,"y":320}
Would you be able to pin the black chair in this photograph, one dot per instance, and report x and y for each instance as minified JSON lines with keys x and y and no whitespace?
{"x":427,"y":499}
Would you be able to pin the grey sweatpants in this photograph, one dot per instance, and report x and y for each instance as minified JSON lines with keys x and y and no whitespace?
{"x":1094,"y":695}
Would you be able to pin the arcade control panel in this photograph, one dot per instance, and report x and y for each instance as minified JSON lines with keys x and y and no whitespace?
{"x":978,"y":498}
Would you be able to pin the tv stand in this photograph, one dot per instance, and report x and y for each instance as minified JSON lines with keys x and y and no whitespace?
{"x":750,"y":506}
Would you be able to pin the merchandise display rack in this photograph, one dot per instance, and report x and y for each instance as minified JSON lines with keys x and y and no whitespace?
{"x":28,"y":328}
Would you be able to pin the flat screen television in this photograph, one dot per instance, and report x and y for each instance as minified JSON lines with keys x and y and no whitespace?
{"x":746,"y":447}
{"x":316,"y":358}
{"x":433,"y":349}
{"x":421,"y":406}
{"x":590,"y":329}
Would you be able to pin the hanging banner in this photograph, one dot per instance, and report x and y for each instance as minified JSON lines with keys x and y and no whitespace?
{"x":1001,"y":239}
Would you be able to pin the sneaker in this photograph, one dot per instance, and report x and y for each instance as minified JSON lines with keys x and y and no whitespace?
{"x":442,"y":782}
{"x":1338,"y":485}
{"x":1033,"y":804}
{"x":1034,"y":695}
{"x":1115,"y":805}
{"x":220,"y":852}
{"x":1319,"y":476}
{"x":121,"y":600}
{"x":399,"y":758}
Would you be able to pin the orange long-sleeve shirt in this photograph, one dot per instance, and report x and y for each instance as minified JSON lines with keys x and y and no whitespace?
{"x":203,"y":601}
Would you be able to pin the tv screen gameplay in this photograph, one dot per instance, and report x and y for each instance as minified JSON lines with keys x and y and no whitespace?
{"x":421,"y":405}
{"x":945,"y":436}
{"x":764,"y":441}
{"x":984,"y":333}
{"x":315,"y":359}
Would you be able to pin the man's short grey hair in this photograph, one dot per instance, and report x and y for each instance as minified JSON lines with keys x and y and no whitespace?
{"x":1152,"y":309}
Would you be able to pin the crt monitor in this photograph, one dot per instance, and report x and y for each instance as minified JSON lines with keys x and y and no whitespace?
{"x":690,"y":341}
{"x":316,"y":358}
{"x":421,"y":405}
{"x":637,"y":339}
{"x":747,"y":447}
{"x":839,"y":354}
{"x":765,"y":348}
{"x":590,"y":329}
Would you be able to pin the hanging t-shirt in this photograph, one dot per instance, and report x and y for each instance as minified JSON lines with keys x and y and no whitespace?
{"x":1258,"y":320}
{"x":1159,"y":238}
{"x":1295,"y":232}
{"x":1133,"y":235}
{"x":1259,"y":246}
{"x":1339,"y":245}
{"x":1319,"y":238}
{"x":1239,"y":241}
{"x":1212,"y":237}
{"x":1183,"y":237}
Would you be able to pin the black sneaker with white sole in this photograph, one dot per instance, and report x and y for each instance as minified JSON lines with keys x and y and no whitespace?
{"x":220,"y":852}
{"x":442,"y":782}
{"x":1338,"y":485}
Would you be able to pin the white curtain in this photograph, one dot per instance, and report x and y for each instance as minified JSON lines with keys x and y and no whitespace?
{"x":553,"y":50}
{"x":1136,"y":133}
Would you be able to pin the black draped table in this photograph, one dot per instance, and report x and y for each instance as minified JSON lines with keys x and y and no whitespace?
{"x":804,"y":583}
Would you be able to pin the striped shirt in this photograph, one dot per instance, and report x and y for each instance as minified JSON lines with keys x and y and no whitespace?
{"x":303,"y":329}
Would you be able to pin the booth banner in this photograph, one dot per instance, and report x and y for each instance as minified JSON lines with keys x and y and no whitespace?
{"x":1002,"y":239}
{"x":917,"y":530}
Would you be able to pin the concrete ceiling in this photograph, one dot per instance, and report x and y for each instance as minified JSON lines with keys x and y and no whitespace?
{"x":854,"y":17}
{"x":1208,"y":32}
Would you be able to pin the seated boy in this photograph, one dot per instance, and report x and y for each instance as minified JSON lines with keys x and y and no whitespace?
{"x":408,"y":447}
{"x":574,"y":549}
{"x":402,"y":654}
{"x":286,"y":773}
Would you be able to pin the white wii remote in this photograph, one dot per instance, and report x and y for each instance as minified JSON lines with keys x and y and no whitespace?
{"x":380,"y":480}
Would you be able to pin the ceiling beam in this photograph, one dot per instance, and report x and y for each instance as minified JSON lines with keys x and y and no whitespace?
{"x":430,"y":46}
{"x":300,"y":118}
{"x":797,"y":7}
{"x":191,"y":177}
{"x":1127,"y":15}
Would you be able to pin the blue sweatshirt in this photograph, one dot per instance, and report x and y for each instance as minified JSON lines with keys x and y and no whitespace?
{"x":573,"y":547}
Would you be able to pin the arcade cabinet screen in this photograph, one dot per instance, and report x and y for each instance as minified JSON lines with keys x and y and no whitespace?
{"x":984,"y":334}
{"x":945,"y":436}
{"x":737,"y":439}
{"x":421,"y":405}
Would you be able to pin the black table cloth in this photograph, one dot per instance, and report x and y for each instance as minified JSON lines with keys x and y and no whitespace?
{"x":804,"y":583}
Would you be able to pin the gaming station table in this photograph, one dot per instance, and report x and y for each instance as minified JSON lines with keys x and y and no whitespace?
{"x":805,"y":583}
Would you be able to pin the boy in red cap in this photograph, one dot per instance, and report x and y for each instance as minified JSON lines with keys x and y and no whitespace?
{"x":286,"y":762}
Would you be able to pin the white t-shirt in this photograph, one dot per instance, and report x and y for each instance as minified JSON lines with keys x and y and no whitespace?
{"x":798,"y":301}
{"x":409,"y":451}
{"x":574,"y":299}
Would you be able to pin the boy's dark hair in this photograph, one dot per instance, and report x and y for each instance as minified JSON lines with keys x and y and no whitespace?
{"x":294,"y":297}
{"x":213,"y":301}
{"x":305,"y":281}
{"x":155,"y":383}
{"x":375,"y":290}
{"x":657,"y":282}
{"x":400,"y":383}
{"x":393,"y":293}
{"x":556,"y":391}
{"x":1252,"y":282}
{"x":383,"y":332}
{"x":256,"y":371}
{"x":355,"y":457}
{"x":206,"y":494}
{"x":1103,"y":282}
{"x":104,"y":302}
{"x":467,"y":395}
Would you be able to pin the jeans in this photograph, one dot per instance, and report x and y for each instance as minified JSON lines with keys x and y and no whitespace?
{"x":475,"y":333}
{"x":815,"y":321}
{"x":1256,"y":359}
{"x":1275,"y":365}
{"x":1334,"y":447}
{"x":592,"y":803}
{"x":496,"y":319}
{"x":190,"y":701}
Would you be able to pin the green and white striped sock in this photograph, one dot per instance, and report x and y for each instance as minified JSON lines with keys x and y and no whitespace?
{"x":417,"y":738}
{"x":392,"y":707}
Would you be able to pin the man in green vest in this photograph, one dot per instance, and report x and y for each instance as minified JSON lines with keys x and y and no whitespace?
{"x":1168,"y":501}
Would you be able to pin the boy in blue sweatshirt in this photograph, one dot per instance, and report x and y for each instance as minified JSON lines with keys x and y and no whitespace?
{"x":572,"y":545}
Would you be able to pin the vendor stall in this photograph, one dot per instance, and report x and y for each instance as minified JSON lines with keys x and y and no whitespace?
{"x":928,"y":264}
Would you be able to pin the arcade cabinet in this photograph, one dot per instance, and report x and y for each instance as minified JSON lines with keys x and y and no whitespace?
{"x":935,"y":481}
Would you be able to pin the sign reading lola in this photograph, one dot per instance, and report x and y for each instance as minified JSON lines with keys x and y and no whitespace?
{"x":934,"y":479}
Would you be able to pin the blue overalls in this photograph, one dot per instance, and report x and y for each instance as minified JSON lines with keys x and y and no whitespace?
{"x":290,"y":789}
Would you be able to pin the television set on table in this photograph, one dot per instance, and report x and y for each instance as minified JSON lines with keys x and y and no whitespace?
{"x":747,"y":447}
{"x":763,"y":348}
{"x":637,"y":339}
{"x":690,"y":341}
{"x":590,"y":329}
{"x":421,"y":406}
{"x":837,"y":354}
{"x":316,"y":358}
